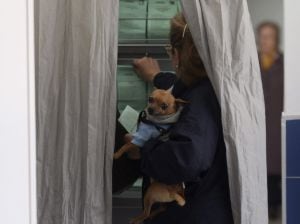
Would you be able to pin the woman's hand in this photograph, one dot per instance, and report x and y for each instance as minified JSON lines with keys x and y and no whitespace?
{"x":127,"y":138}
{"x":146,"y":68}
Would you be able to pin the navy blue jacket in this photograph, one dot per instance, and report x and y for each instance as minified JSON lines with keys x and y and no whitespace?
{"x":194,"y":154}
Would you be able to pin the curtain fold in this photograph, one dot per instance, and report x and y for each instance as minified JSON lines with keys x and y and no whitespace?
{"x":223,"y":35}
{"x":76,"y":45}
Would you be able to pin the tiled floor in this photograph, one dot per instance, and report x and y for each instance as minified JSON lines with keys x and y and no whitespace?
{"x":126,"y":208}
{"x":277,"y":221}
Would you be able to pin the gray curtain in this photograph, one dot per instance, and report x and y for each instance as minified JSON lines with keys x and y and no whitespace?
{"x":76,"y":50}
{"x":223,"y":34}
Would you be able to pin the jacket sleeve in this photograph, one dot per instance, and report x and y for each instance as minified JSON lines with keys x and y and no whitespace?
{"x":164,"y":80}
{"x":191,"y":147}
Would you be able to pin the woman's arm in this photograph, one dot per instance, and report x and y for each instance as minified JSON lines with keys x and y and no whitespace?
{"x":148,"y":69}
{"x":192,"y":146}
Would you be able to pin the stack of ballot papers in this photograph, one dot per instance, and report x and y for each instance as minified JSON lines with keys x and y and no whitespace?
{"x":159,"y":14}
{"x":133,"y":15}
{"x":131,"y":89}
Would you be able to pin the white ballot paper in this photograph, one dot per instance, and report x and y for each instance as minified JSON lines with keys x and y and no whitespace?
{"x":129,"y":118}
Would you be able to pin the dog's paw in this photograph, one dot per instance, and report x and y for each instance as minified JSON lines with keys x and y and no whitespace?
{"x":137,"y":220}
{"x":116,"y":155}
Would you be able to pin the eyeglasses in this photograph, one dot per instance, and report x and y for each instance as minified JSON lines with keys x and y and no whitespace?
{"x":169,"y":49}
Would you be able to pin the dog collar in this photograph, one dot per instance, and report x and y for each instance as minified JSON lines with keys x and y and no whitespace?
{"x":164,"y":119}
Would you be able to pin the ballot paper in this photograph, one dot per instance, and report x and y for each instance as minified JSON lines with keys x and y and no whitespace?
{"x":132,"y":19}
{"x":129,"y":118}
{"x":133,"y":8}
{"x":159,"y":14}
{"x":132,"y":29}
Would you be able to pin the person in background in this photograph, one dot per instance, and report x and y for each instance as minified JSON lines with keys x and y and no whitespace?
{"x":271,"y":63}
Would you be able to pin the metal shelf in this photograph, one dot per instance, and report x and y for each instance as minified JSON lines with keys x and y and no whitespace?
{"x":135,"y":43}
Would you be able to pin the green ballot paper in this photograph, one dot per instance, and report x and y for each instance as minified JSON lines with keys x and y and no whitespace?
{"x":133,"y":15}
{"x":159,"y":14}
{"x":131,"y":90}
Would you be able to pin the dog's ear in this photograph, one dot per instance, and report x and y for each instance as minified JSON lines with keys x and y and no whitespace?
{"x":180,"y":102}
{"x":170,"y":89}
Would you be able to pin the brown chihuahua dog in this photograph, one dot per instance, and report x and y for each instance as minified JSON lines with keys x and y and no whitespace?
{"x":163,"y":109}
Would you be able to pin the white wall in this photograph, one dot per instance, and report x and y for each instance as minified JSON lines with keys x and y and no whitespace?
{"x":266,"y":10}
{"x":292,"y":57}
{"x":17,"y":114}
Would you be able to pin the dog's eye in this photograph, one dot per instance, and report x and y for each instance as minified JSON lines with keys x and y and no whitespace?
{"x":151,"y":99}
{"x":164,"y":106}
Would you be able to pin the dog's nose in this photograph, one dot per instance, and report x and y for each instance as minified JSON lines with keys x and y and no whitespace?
{"x":150,"y":111}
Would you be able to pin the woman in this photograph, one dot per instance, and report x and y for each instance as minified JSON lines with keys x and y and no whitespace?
{"x":195,"y":152}
{"x":271,"y":62}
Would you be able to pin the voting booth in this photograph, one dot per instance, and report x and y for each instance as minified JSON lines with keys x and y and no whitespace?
{"x":143,"y":31}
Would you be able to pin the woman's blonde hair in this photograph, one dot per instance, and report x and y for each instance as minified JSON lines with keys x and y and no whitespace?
{"x":190,"y":67}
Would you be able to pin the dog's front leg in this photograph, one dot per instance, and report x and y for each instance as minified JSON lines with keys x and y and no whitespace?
{"x":125,"y":148}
